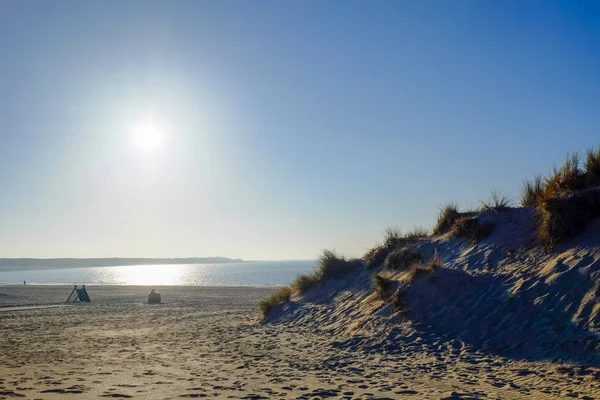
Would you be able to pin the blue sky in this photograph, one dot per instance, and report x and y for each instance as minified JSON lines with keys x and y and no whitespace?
{"x":286,"y":127}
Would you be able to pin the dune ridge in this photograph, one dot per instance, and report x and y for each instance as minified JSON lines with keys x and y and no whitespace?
{"x":503,"y":294}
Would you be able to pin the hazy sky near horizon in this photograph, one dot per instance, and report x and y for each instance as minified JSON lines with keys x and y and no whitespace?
{"x":285,"y":127}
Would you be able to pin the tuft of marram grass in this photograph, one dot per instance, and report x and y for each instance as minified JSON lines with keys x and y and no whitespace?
{"x":429,"y":269}
{"x":592,"y":167}
{"x":331,"y":265}
{"x":498,"y":202}
{"x":566,"y":179}
{"x":401,"y":259}
{"x":418,"y":232}
{"x":448,"y":215}
{"x":281,"y":296}
{"x":376,"y":256}
{"x":563,"y":218}
{"x":382,"y":286}
{"x":392,"y":239}
{"x":532,"y":192}
{"x":472,"y":229}
{"x":304,"y":283}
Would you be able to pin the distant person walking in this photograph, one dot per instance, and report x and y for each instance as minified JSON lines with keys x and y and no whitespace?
{"x":24,"y":282}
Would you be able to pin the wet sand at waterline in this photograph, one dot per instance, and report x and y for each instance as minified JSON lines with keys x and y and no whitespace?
{"x":208,"y":342}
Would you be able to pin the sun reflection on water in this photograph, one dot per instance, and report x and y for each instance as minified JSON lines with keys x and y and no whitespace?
{"x":259,"y":273}
{"x":151,"y":274}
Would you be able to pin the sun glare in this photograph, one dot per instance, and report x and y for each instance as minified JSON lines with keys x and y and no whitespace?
{"x":147,"y":137}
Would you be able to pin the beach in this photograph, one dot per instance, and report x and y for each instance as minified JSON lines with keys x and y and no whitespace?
{"x":209,"y":342}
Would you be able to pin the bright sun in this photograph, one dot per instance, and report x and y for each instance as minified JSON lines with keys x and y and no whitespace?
{"x":147,"y":137}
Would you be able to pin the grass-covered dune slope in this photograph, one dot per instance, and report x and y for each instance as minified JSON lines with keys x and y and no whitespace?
{"x":523,"y":282}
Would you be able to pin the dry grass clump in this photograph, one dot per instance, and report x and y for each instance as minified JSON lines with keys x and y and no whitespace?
{"x":448,"y":215}
{"x":330,"y":265}
{"x":567,"y":199}
{"x":382,"y":286}
{"x":498,"y":202}
{"x":566,"y":179}
{"x":532,"y":192}
{"x":470,"y":228}
{"x":281,"y":296}
{"x":565,"y":217}
{"x":428,"y":269}
{"x":466,"y":224}
{"x":392,"y":239}
{"x":376,"y":256}
{"x":417,"y":271}
{"x":418,"y":232}
{"x":592,"y":167}
{"x":401,"y":258}
{"x":305,"y":282}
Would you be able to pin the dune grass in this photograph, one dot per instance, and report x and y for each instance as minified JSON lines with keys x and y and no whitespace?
{"x":558,"y":219}
{"x":331,"y":265}
{"x":592,"y":167}
{"x":281,"y":296}
{"x":498,"y":201}
{"x":418,"y":232}
{"x":448,"y":215}
{"x":466,"y":224}
{"x":304,"y":283}
{"x":532,"y":192}
{"x":429,"y":269}
{"x":565,"y":217}
{"x":376,"y":256}
{"x":471,"y":229}
{"x":565,"y":179}
{"x":382,"y":286}
{"x":393,"y":239}
{"x":401,"y":259}
{"x":566,"y":199}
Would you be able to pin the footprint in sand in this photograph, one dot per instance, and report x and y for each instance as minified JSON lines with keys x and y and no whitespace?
{"x":63,"y":391}
{"x":10,"y":393}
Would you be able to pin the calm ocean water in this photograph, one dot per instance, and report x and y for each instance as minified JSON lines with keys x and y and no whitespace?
{"x":260,"y":273}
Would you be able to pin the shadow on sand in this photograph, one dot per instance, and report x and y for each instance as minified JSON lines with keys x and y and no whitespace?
{"x":528,"y":319}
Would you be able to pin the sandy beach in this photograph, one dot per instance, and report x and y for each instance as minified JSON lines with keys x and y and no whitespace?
{"x":208,"y":342}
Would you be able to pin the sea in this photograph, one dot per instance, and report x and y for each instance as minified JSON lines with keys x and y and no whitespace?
{"x":253,"y":273}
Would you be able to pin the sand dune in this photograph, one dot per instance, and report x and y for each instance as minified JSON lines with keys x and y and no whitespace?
{"x":514,"y":310}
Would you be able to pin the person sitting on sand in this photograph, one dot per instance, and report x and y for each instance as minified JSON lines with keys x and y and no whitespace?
{"x":153,"y":297}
